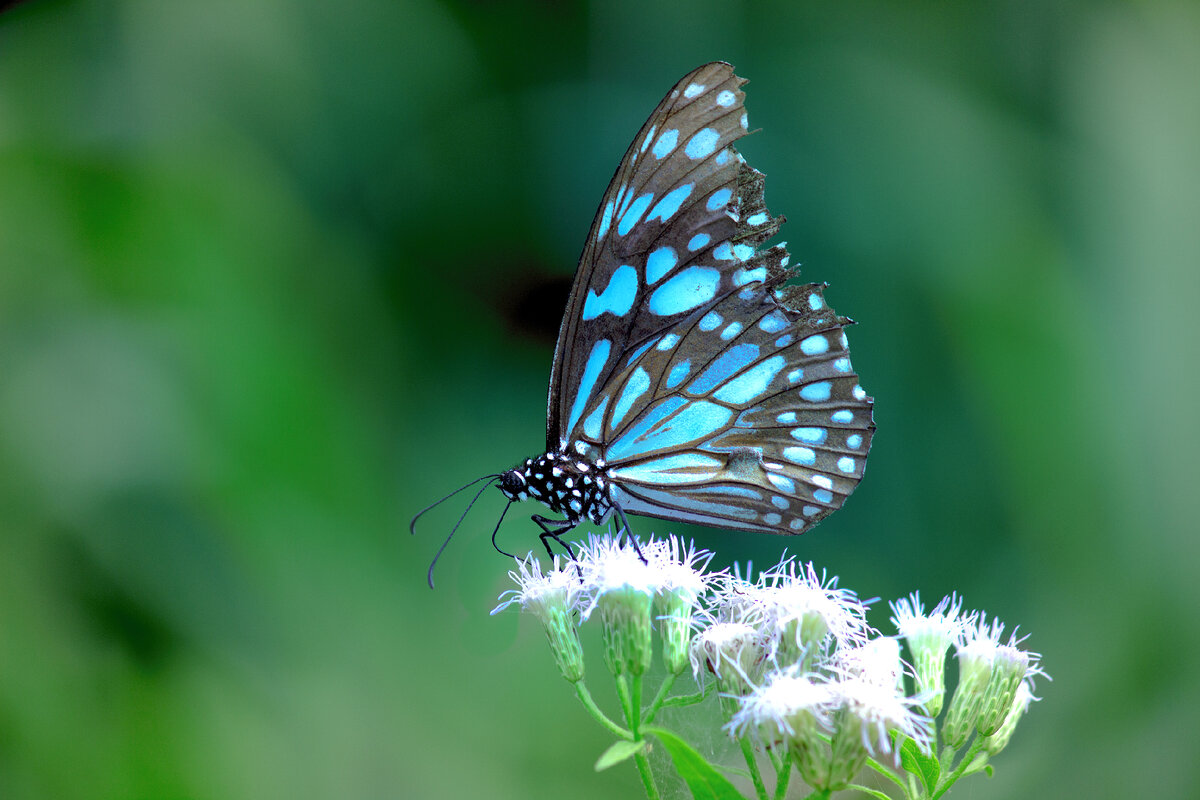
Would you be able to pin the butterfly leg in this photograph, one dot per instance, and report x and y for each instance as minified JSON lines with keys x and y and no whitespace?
{"x":627,"y":533}
{"x":553,"y":529}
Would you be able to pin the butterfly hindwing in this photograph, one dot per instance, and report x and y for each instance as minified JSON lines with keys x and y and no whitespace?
{"x":755,"y":419}
{"x":651,"y":257}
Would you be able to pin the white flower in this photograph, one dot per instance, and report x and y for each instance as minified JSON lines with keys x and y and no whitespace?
{"x":538,"y":591}
{"x":682,"y":585}
{"x":989,"y":676}
{"x":929,"y":636}
{"x":803,"y":613}
{"x":877,"y":661}
{"x":553,"y":598}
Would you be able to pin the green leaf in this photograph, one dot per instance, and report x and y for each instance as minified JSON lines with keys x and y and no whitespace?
{"x":701,"y":777}
{"x":873,"y":792}
{"x":618,"y":752}
{"x":916,"y":762}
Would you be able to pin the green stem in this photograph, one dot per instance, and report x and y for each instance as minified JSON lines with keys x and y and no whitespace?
{"x":783,"y":776}
{"x":626,"y":709}
{"x":945,"y":784}
{"x":585,"y":697}
{"x":689,"y":699}
{"x":656,"y":704}
{"x":748,"y":752}
{"x":635,"y":703}
{"x":643,"y":768}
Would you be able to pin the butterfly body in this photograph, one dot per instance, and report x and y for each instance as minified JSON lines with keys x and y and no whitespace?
{"x":691,"y":382}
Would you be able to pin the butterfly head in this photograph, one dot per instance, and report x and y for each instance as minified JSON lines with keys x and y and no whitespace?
{"x":514,"y":484}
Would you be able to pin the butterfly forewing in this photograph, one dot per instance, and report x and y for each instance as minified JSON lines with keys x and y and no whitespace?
{"x":651,"y":257}
{"x":710,"y":391}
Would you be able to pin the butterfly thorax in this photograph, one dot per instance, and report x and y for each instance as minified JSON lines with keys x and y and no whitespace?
{"x":573,"y":486}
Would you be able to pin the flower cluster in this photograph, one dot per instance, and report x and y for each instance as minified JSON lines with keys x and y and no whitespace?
{"x":799,"y":671}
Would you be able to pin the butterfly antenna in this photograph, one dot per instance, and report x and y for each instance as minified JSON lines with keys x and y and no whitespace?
{"x":502,"y":513}
{"x":412,"y":526}
{"x":453,"y":530}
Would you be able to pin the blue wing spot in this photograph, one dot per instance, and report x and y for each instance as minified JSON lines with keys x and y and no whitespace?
{"x":731,"y":331}
{"x":723,"y":252}
{"x":664,"y":429}
{"x":800,"y":455}
{"x":635,"y":387}
{"x":822,"y":481}
{"x":688,"y":289}
{"x":719,"y":199}
{"x":597,"y":358}
{"x":724,"y":367}
{"x":751,"y":383}
{"x":592,"y":425}
{"x":710,"y":321}
{"x":742,"y":252}
{"x":678,"y":373}
{"x":745,"y":122}
{"x":722,"y":158}
{"x":808,"y":511}
{"x":653,"y":417}
{"x":795,"y":375}
{"x":605,"y":220}
{"x":772,"y":518}
{"x":814,"y":345}
{"x":797,"y":523}
{"x":702,"y":144}
{"x":636,"y":354}
{"x":823,"y":496}
{"x":667,"y":342}
{"x":842,"y":365}
{"x":744,"y":276}
{"x":846,"y":464}
{"x":757,"y":219}
{"x":649,"y":137}
{"x":784,"y":341}
{"x":725,"y":99}
{"x":693,"y":90}
{"x":617,"y":298}
{"x":670,"y":203}
{"x":787,"y":417}
{"x":659,"y":263}
{"x":782,"y":483}
{"x":634,"y":214}
{"x":816,"y":392}
{"x":842,"y":417}
{"x":854,"y":441}
{"x":772,"y":323}
{"x":672,"y":469}
{"x":810,"y":435}
{"x":698,"y":241}
{"x":815,"y":302}
{"x":666,"y":143}
{"x":858,"y":393}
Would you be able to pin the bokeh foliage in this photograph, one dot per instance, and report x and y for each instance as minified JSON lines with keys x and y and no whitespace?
{"x":274,"y":275}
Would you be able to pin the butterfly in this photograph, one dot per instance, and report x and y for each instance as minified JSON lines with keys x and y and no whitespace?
{"x":690,"y":381}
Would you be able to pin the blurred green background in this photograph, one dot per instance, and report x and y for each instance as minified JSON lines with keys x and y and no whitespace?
{"x":274,"y":275}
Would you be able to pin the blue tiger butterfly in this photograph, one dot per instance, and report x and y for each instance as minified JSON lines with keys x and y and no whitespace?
{"x":690,"y":382}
